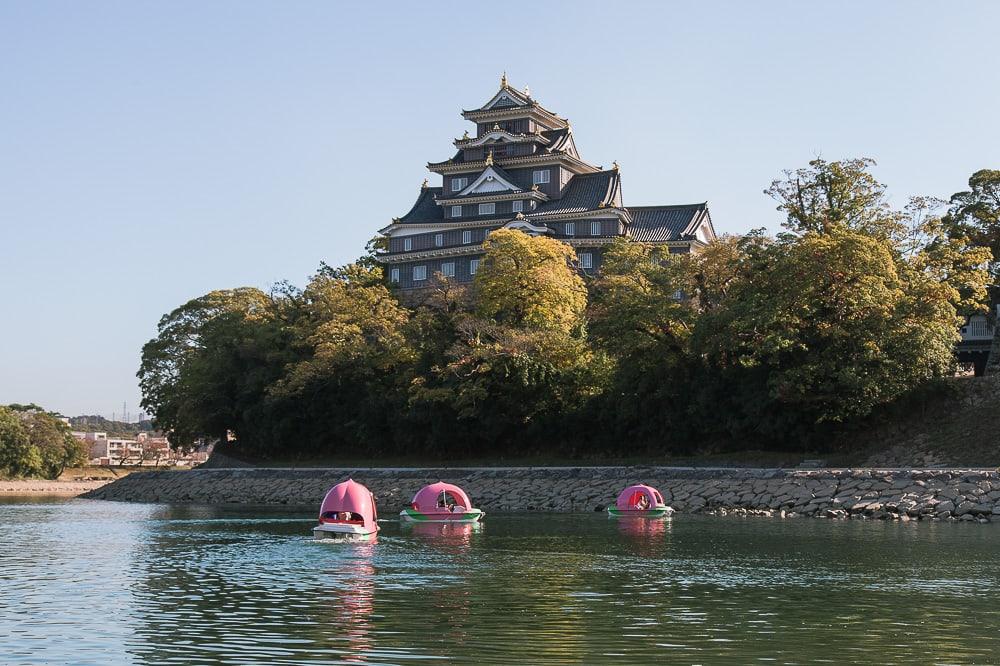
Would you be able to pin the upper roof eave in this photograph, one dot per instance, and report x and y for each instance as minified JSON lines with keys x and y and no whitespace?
{"x":512,"y":162}
{"x":509,"y":112}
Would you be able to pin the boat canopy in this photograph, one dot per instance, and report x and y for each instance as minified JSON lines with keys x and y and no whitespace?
{"x":440,"y":496}
{"x":349,"y":502}
{"x":631,"y":499}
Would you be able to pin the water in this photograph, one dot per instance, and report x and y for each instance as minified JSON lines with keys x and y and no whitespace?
{"x":85,"y":582}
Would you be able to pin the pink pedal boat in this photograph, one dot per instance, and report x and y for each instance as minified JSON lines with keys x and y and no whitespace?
{"x":641,"y":501}
{"x":347,"y":512}
{"x":441,"y":503}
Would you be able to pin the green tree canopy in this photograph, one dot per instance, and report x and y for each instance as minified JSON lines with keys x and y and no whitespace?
{"x":36,"y":443}
{"x":975,"y":214}
{"x":826,"y":195}
{"x":210,"y":363}
{"x":529,"y":282}
{"x":830,"y":326}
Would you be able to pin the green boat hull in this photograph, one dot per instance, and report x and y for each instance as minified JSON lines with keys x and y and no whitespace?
{"x":657,"y":512}
{"x":414,"y":516}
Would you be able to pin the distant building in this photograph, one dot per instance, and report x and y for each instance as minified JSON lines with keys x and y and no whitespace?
{"x":113,"y":451}
{"x":522,"y":171}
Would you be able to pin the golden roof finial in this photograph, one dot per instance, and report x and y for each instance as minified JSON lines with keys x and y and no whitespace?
{"x":489,"y":158}
{"x":424,"y":185}
{"x":614,"y":165}
{"x":503,"y":80}
{"x":527,"y":90}
{"x":466,"y":135}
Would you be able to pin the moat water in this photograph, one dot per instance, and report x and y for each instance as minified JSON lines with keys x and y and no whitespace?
{"x":86,"y":582}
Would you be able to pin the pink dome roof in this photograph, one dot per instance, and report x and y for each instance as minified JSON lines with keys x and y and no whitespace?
{"x":354,"y":497}
{"x":628,"y":497}
{"x":427,"y":497}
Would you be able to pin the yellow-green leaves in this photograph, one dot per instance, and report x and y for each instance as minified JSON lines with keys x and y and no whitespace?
{"x":529,"y":282}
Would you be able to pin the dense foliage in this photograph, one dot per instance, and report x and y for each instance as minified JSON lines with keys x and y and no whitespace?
{"x":755,"y":341}
{"x":34,"y":443}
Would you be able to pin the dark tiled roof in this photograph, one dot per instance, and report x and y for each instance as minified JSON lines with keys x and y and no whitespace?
{"x":520,"y":99}
{"x":557,"y":138}
{"x":425,"y":210}
{"x":584,"y":192}
{"x":652,"y":224}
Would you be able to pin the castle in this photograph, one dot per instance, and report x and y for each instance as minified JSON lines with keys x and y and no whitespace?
{"x":522,"y":171}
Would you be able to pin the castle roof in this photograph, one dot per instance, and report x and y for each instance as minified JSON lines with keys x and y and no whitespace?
{"x":424,"y":209}
{"x":652,"y":224}
{"x":584,"y":192}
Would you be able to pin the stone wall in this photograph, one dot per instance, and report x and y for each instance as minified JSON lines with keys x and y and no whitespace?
{"x":968,"y":495}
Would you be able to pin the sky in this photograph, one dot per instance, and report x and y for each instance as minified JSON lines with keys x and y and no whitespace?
{"x":152,"y":152}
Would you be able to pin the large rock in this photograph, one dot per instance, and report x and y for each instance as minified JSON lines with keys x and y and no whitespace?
{"x":964,"y":508}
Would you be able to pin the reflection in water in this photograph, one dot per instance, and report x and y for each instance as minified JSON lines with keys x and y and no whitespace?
{"x":106,"y":583}
{"x":449,"y":537}
{"x":353,"y":601}
{"x":646,"y":535}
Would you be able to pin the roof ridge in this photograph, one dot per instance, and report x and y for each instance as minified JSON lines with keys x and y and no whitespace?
{"x":703,"y":204}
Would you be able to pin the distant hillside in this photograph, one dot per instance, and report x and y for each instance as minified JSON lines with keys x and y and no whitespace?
{"x":96,"y":423}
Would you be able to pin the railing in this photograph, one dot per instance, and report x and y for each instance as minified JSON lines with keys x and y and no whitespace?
{"x":978,"y":328}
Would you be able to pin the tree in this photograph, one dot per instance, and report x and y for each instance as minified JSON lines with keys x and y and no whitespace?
{"x":529,"y":282}
{"x":210,"y":364}
{"x":518,"y":362}
{"x":642,"y":300}
{"x":947,"y":254}
{"x":975,"y":214}
{"x":644,"y":306}
{"x":57,"y":448}
{"x":34,"y":442}
{"x":350,"y":348}
{"x":17,"y":456}
{"x":824,"y":328}
{"x":827,"y":195}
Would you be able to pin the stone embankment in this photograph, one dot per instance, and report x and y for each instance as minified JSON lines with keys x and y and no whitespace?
{"x":967,"y":495}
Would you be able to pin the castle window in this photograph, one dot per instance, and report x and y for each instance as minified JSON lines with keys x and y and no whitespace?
{"x":459,"y":184}
{"x":419,"y":273}
{"x":595,"y":228}
{"x":540,"y":177}
{"x":586,"y":260}
{"x":456,"y":211}
{"x":407,"y":244}
{"x":466,"y":237}
{"x":487,"y":209}
{"x":448,"y":269}
{"x":438,"y":240}
{"x":473,"y":266}
{"x":394,"y":276}
{"x":571,"y":228}
{"x":517,"y":206}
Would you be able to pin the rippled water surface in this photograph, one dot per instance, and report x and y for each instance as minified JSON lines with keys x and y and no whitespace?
{"x":84,"y":582}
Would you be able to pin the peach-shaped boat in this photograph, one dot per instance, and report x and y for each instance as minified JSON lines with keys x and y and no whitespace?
{"x":348,"y":511}
{"x":642,"y":501}
{"x":441,"y":503}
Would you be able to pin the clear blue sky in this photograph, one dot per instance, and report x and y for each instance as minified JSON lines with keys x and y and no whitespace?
{"x":150,"y":152}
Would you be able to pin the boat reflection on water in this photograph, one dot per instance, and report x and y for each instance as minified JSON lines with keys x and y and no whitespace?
{"x":352,"y":603}
{"x":448,"y":537}
{"x":645,"y":534}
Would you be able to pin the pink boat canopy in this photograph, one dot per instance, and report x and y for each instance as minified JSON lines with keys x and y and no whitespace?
{"x":635,"y":497}
{"x":439,"y":497}
{"x":349,"y":502}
